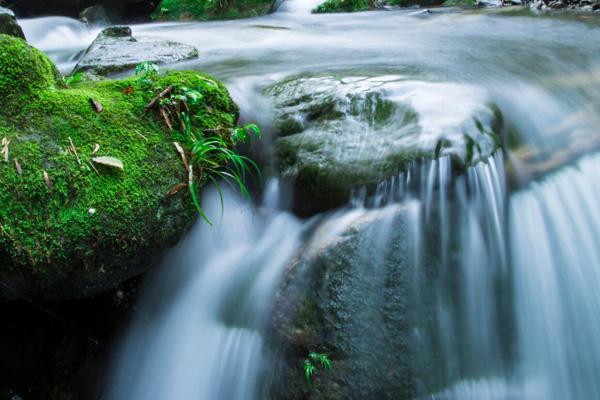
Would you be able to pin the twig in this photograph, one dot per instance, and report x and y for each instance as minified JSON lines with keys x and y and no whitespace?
{"x":155,"y":101}
{"x":74,"y":150}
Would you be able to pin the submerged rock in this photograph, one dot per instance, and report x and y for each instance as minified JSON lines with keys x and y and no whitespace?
{"x":115,"y":50}
{"x":9,"y":25}
{"x":70,"y":229}
{"x":337,"y":134}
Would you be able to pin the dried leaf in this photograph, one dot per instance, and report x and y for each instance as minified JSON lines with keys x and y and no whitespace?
{"x":108,"y":161}
{"x":96,"y":148}
{"x":209,"y":109}
{"x":175,"y":189}
{"x":166,"y":118}
{"x":182,"y":155}
{"x":128,"y":90}
{"x":4,"y":151}
{"x":96,"y":105}
{"x":47,"y":180}
{"x":18,"y":167}
{"x":74,"y":150}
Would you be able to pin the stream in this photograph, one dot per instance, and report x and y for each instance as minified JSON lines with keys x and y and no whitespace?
{"x":513,"y":307}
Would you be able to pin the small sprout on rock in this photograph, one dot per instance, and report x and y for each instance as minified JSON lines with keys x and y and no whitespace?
{"x":310,"y":365}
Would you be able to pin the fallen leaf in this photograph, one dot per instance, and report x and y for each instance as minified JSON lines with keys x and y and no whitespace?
{"x":96,"y":148}
{"x":74,"y":150}
{"x":166,"y":118}
{"x":18,"y":167}
{"x":108,"y":161}
{"x":96,"y":105}
{"x":182,"y":155}
{"x":47,"y":180}
{"x":175,"y":189}
{"x":209,"y":109}
{"x":128,"y":90}
{"x":4,"y":151}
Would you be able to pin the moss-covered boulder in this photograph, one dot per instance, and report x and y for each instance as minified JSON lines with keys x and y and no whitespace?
{"x":116,"y":50}
{"x":340,"y":133}
{"x":70,"y":227}
{"x":210,"y":10}
{"x":8,"y":23}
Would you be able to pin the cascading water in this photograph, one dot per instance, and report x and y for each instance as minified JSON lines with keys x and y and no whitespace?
{"x":211,"y":298}
{"x":501,"y":275}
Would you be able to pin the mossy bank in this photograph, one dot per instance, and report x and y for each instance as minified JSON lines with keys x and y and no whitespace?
{"x":69,"y":227}
{"x":211,"y":10}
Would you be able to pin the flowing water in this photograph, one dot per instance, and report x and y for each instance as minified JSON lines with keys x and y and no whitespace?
{"x":516,"y":299}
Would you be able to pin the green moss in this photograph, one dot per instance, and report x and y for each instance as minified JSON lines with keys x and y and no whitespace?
{"x":210,"y":10}
{"x":90,"y":220}
{"x":332,"y":6}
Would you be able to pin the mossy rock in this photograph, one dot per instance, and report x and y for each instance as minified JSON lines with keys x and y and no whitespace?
{"x":8,"y":23}
{"x":339,"y":134}
{"x":211,"y":10}
{"x":69,"y":228}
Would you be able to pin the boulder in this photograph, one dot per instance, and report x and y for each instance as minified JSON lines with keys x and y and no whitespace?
{"x":339,"y":133}
{"x":353,"y":295}
{"x":116,"y":50}
{"x":70,"y":228}
{"x":97,"y":15}
{"x":9,"y":25}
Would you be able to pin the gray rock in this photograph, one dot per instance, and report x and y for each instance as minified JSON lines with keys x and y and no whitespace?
{"x":115,"y":50}
{"x":9,"y":25}
{"x":96,"y":15}
{"x":354,"y":297}
{"x":336,"y":134}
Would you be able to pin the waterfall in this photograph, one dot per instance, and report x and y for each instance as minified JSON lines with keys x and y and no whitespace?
{"x":198,"y":334}
{"x":555,"y":240}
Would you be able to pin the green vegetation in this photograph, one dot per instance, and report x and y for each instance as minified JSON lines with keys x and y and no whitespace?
{"x":211,"y":9}
{"x":333,"y":6}
{"x":64,"y":216}
{"x":212,"y":152}
{"x":310,"y":365}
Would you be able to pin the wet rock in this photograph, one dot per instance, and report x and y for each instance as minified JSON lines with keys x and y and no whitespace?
{"x":9,"y":25}
{"x":96,"y":15}
{"x":353,"y":296}
{"x":336,"y":134}
{"x":70,"y":228}
{"x":115,"y":50}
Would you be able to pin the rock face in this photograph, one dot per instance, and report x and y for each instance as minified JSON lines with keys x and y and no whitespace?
{"x":115,"y":50}
{"x":354,"y":298}
{"x":337,"y":134}
{"x":209,"y":10}
{"x":123,"y":9}
{"x":8,"y":23}
{"x":69,"y":228}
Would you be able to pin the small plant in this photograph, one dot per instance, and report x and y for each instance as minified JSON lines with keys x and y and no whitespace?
{"x":73,"y":79}
{"x":146,"y":73}
{"x":310,"y":365}
{"x":212,"y":152}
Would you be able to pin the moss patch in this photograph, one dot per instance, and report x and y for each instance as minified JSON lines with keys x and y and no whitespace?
{"x":209,"y":10}
{"x":85,"y":227}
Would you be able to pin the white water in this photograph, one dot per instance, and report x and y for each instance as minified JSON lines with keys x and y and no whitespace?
{"x":198,"y":335}
{"x":526,"y":321}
